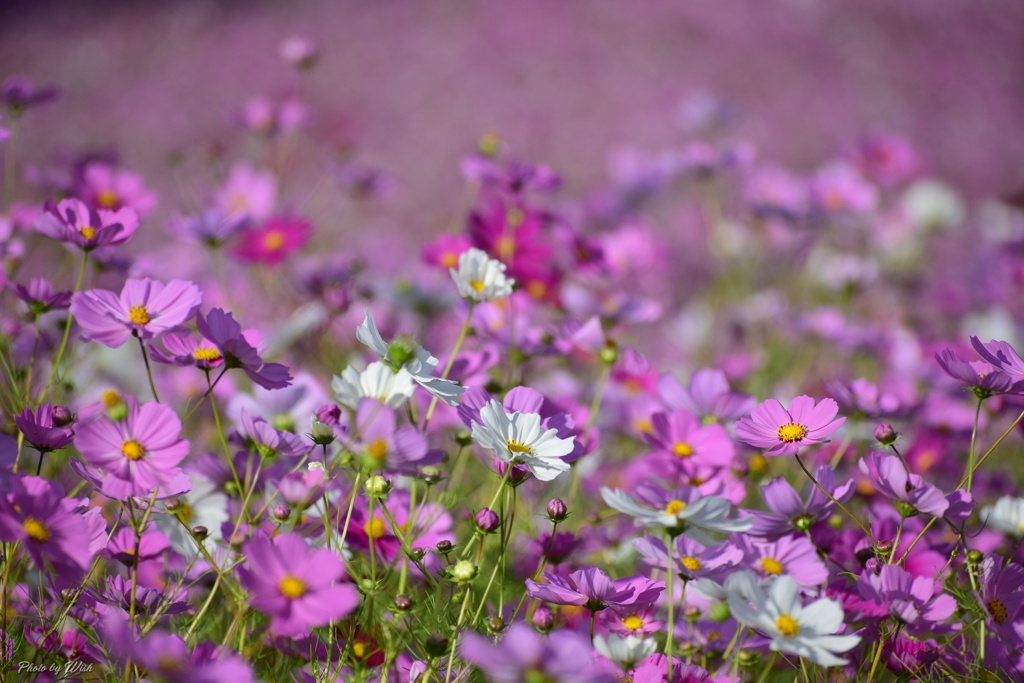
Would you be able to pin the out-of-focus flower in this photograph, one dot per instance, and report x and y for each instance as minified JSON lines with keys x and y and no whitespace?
{"x":74,"y":222}
{"x":886,"y":158}
{"x":625,"y":652}
{"x":300,"y":589}
{"x":524,"y":655}
{"x":788,"y":513}
{"x":267,"y":117}
{"x":481,"y":278}
{"x":248,"y":193}
{"x":839,"y":187}
{"x":212,"y":227}
{"x":301,"y":52}
{"x":20,"y":93}
{"x":40,"y":297}
{"x":708,"y":396}
{"x":273,"y":241}
{"x":804,"y":630}
{"x":105,"y":187}
{"x":1007,"y":515}
{"x":36,"y":513}
{"x":239,"y":349}
{"x":785,"y":432}
{"x":681,"y":511}
{"x":144,"y":309}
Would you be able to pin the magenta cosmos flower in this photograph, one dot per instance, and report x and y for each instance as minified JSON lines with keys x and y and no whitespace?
{"x":144,"y":309}
{"x":273,"y":241}
{"x":136,"y":455}
{"x":299,"y":588}
{"x":784,"y":432}
{"x":40,"y":431}
{"x":237,"y":349}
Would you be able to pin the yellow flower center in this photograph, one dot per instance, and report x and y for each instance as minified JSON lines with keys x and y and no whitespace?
{"x":107,"y":199}
{"x":515,"y":217}
{"x":110,"y":398}
{"x":998,"y":610}
{"x":758,"y":464}
{"x":139,"y":315}
{"x":691,"y":563}
{"x":787,"y":625}
{"x":132,"y":449}
{"x":682,"y":449}
{"x":449,"y":259}
{"x":203,"y":353}
{"x":674,"y":507}
{"x":506,"y":247}
{"x":273,"y":240}
{"x":35,"y":529}
{"x":375,"y":528}
{"x":185,"y":513}
{"x":517,"y":447}
{"x":359,"y":650}
{"x":292,"y":587}
{"x":643,"y":426}
{"x":771,"y":566}
{"x":378,"y":449}
{"x":88,"y":232}
{"x":536,"y":289}
{"x":792,"y":432}
{"x":477,"y":285}
{"x":633,"y":622}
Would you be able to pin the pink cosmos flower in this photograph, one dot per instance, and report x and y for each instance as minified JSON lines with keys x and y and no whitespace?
{"x":298,"y":587}
{"x":784,"y":432}
{"x":144,"y":309}
{"x":237,"y":349}
{"x":136,"y":455}
{"x":108,"y":188}
{"x":273,"y":241}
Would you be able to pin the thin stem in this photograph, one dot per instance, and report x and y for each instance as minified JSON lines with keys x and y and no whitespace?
{"x":877,"y":658}
{"x":671,"y":636}
{"x":768,"y":668}
{"x":203,"y":397}
{"x":832,"y":498}
{"x":67,"y":331}
{"x":451,"y":360}
{"x":970,"y":455}
{"x":455,"y":636}
{"x":149,"y":370}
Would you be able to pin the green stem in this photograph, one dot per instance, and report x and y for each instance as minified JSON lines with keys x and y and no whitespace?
{"x":970,"y":455}
{"x":832,"y":498}
{"x":451,"y":360}
{"x":149,"y":370}
{"x":671,"y":636}
{"x":67,"y":331}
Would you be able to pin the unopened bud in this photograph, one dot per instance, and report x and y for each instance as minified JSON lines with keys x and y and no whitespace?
{"x":377,"y":486}
{"x":322,"y":434}
{"x":62,"y":417}
{"x":720,"y":612}
{"x":329,"y":414}
{"x":430,"y":474}
{"x":487,"y":521}
{"x":609,"y":354}
{"x":557,"y":511}
{"x":495,"y":624}
{"x":281,"y":512}
{"x":543,"y":619}
{"x":403,"y":603}
{"x":200,"y":532}
{"x":885,"y":434}
{"x":975,"y":557}
{"x":444,"y":547}
{"x":464,"y":571}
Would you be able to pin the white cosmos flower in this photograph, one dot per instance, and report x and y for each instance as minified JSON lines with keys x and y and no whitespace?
{"x":777,"y":611}
{"x":706,"y":514}
{"x":518,"y":438}
{"x":377,"y":381}
{"x":204,"y":506}
{"x":481,"y":278}
{"x":1007,"y":515}
{"x":625,"y":652}
{"x":420,"y":366}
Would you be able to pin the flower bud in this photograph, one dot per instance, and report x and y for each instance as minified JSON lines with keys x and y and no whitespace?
{"x":557,"y":511}
{"x":609,"y":354}
{"x":692,"y":613}
{"x":322,"y":434}
{"x":975,"y":557}
{"x":200,"y":532}
{"x":403,"y":603}
{"x":329,"y":415}
{"x":495,"y":624}
{"x":117,"y":412}
{"x":444,"y":547}
{"x":463,"y":439}
{"x":430,"y":474}
{"x":283,"y":423}
{"x":543,"y":619}
{"x":377,"y":486}
{"x":885,"y":434}
{"x":464,"y":571}
{"x":487,"y":521}
{"x":884,"y":548}
{"x":174,"y":504}
{"x":720,"y":612}
{"x":281,"y":512}
{"x":418,"y":554}
{"x":62,"y":417}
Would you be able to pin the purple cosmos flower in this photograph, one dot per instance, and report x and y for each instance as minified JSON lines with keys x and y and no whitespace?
{"x":423,"y":527}
{"x":793,"y":556}
{"x":1002,"y":598}
{"x":40,"y":297}
{"x":655,"y":670}
{"x":912,"y":600}
{"x":35,"y":513}
{"x":239,"y":349}
{"x":839,"y":187}
{"x":692,"y":560}
{"x":784,"y":432}
{"x":1004,"y":358}
{"x":525,"y":655}
{"x":144,"y":309}
{"x":105,"y":187}
{"x":299,"y":588}
{"x":589,"y":587}
{"x":386,"y":445}
{"x":75,"y":222}
{"x":166,"y":657}
{"x":270,"y":442}
{"x":302,"y":489}
{"x":909,"y":492}
{"x":40,"y":431}
{"x":121,"y":546}
{"x":789,"y":513}
{"x":864,"y":397}
{"x":708,"y":396}
{"x":20,"y":93}
{"x":980,"y":377}
{"x":911,"y":657}
{"x":211,"y":228}
{"x":136,"y":455}
{"x":681,"y":437}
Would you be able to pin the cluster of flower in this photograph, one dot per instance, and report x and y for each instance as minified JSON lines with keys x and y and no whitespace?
{"x":176,"y":506}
